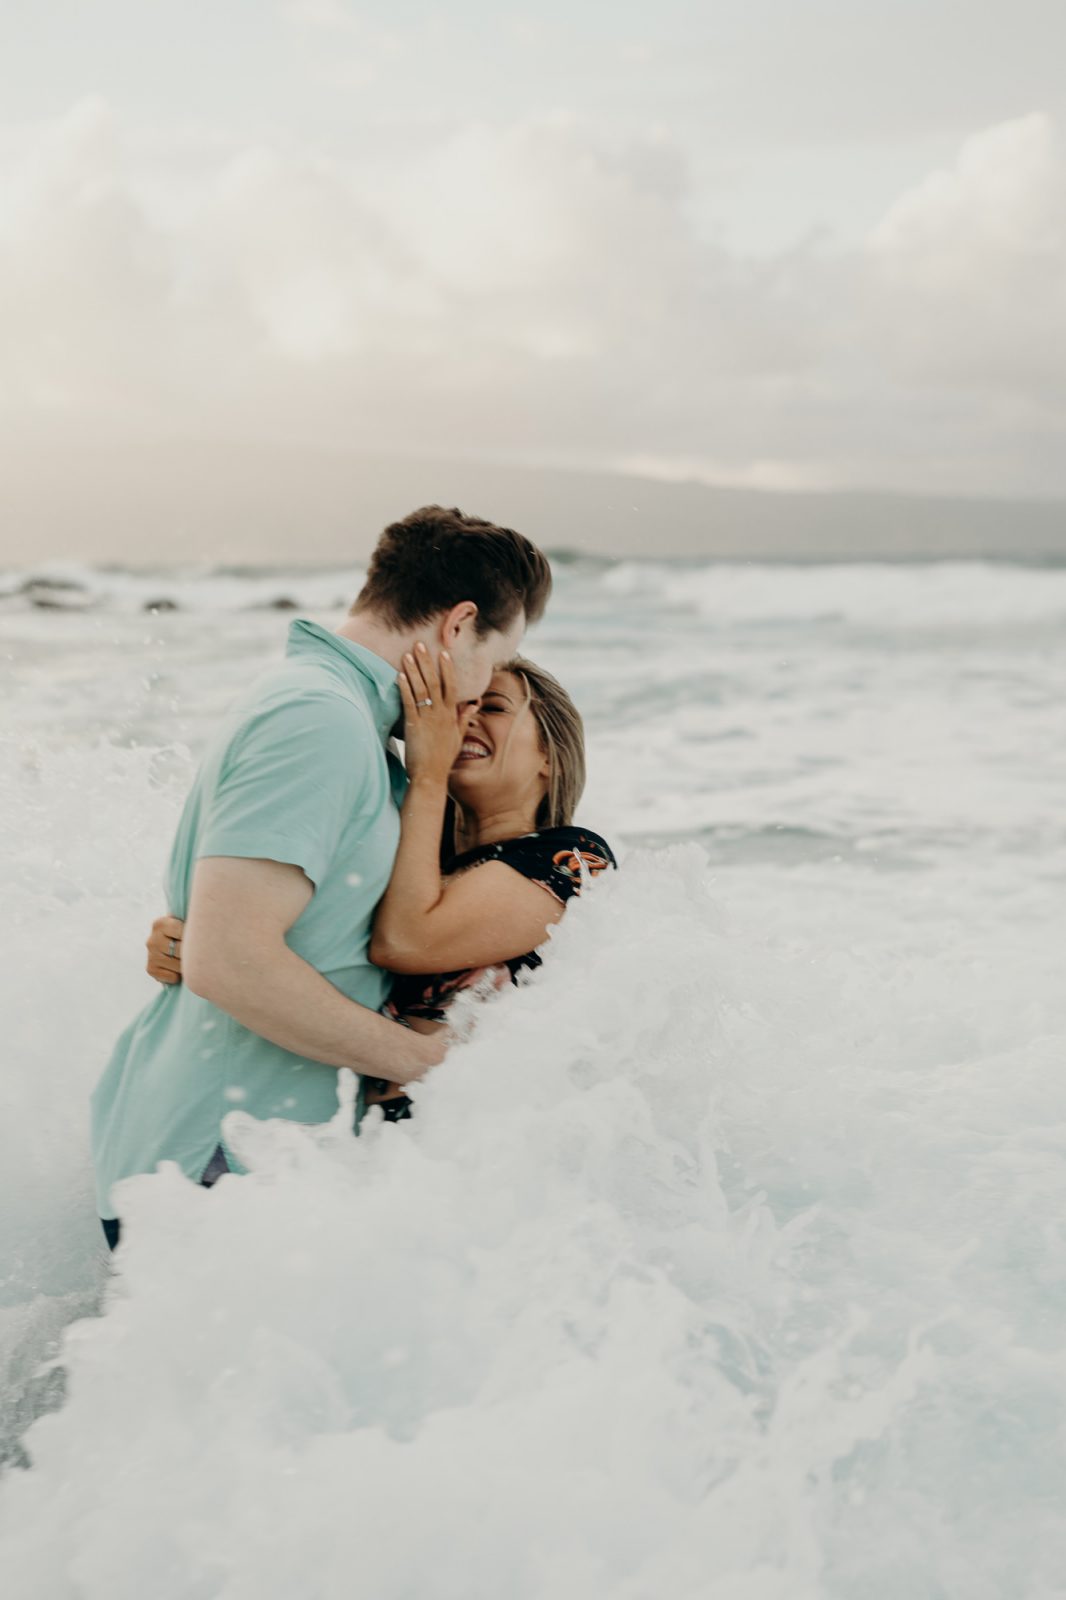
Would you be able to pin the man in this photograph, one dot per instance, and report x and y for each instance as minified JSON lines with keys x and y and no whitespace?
{"x":284,"y":848}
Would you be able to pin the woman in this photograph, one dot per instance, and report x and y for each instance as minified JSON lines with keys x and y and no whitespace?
{"x":513,"y":768}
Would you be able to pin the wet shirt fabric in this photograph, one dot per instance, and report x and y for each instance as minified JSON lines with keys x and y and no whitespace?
{"x":561,"y":860}
{"x":300,"y":772}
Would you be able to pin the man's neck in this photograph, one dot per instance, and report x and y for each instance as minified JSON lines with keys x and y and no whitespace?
{"x":374,"y":635}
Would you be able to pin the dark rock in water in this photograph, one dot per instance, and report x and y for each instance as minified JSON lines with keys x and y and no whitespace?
{"x":49,"y":595}
{"x":282,"y":603}
{"x":55,"y":594}
{"x":57,"y":585}
{"x":161,"y":605}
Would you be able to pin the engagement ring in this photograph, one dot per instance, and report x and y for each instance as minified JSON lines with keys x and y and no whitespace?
{"x":423,"y":702}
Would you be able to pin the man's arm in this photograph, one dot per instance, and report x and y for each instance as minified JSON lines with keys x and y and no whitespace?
{"x":234,"y":955}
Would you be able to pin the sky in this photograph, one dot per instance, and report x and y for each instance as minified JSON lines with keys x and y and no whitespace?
{"x":783,"y":244}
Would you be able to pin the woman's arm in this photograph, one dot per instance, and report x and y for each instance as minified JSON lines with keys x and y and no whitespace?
{"x":477,"y":919}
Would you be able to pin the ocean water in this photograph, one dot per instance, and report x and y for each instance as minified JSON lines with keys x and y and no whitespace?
{"x":726,"y":1260}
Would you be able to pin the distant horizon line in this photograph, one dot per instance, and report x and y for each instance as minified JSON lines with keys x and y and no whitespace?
{"x":39,"y":571}
{"x":246,"y":503}
{"x":505,"y":461}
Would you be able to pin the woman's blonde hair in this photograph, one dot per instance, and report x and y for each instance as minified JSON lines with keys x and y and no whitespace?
{"x":562,"y":738}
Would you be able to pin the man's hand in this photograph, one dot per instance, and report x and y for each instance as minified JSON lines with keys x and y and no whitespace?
{"x":164,"y":949}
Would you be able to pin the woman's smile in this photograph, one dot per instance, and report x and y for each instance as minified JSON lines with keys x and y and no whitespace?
{"x":474,"y":749}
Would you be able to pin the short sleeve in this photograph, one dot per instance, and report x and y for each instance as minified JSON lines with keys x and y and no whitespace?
{"x":560,"y":860}
{"x":289,"y":783}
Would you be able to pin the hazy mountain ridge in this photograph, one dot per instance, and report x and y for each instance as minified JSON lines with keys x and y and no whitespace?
{"x":260,"y":503}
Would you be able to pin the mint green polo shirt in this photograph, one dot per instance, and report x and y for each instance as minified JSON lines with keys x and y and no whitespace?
{"x":299,"y":772}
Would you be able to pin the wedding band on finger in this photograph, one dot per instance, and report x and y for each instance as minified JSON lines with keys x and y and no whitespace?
{"x":172,"y":948}
{"x":423,"y":702}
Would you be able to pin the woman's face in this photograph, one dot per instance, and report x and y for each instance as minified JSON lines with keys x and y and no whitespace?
{"x":501,"y":766}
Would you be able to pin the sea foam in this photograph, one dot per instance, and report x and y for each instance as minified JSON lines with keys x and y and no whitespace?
{"x":724,"y":1259}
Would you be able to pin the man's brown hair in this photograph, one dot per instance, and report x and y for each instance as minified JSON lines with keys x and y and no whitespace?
{"x":435,"y":559}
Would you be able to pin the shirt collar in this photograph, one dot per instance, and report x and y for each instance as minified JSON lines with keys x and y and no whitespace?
{"x":378,"y":681}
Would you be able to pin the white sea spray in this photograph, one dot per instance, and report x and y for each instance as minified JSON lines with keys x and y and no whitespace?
{"x":726,"y":1259}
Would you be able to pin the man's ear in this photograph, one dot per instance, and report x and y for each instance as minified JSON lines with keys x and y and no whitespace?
{"x":454,"y":621}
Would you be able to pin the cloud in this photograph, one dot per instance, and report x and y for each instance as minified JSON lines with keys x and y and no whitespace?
{"x":539,"y":291}
{"x":85,"y":279}
{"x":330,"y":15}
{"x":968,"y":269}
